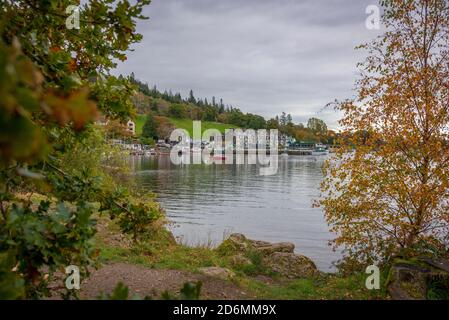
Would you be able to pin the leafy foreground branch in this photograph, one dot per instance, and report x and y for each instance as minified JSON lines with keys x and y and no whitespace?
{"x":54,"y":82}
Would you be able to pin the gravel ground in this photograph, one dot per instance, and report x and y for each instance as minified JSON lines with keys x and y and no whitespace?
{"x":152,"y":282}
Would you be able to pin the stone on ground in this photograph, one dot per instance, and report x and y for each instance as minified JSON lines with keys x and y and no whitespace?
{"x":290,"y":265}
{"x":217,"y":272}
{"x":420,"y":279}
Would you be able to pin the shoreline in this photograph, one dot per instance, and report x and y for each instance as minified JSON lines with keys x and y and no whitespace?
{"x":161,"y":254}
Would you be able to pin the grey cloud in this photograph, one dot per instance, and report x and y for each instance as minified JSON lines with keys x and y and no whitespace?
{"x":264,"y":56}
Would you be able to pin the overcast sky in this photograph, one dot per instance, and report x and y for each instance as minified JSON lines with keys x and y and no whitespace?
{"x":263,"y":56}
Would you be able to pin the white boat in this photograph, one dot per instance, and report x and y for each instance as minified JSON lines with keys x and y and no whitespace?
{"x":320,"y":150}
{"x":150,"y":152}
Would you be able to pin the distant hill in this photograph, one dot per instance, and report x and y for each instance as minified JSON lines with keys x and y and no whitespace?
{"x":171,"y":110}
{"x":173,"y":105}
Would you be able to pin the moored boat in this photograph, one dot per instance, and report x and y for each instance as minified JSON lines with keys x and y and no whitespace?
{"x":320,"y":150}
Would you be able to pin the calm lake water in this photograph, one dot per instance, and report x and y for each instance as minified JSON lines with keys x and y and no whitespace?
{"x":208,"y":202}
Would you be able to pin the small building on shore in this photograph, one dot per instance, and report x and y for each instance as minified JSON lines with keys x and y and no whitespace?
{"x":131,"y":127}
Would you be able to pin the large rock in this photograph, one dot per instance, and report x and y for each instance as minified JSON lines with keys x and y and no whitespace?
{"x":239,"y":260}
{"x":218,"y":272}
{"x":419,"y":279}
{"x":290,"y":265}
{"x":277,"y":257}
{"x":408,"y":282}
{"x":237,"y":244}
{"x":271,"y":248}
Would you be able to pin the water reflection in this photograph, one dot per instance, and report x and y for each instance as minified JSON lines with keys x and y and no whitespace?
{"x":208,"y":201}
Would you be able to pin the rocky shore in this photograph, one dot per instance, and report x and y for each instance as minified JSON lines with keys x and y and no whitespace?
{"x":279,"y":257}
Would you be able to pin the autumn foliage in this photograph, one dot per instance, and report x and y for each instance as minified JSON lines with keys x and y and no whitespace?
{"x":386,"y":192}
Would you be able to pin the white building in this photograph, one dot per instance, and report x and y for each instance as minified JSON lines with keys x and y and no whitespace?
{"x":131,"y":127}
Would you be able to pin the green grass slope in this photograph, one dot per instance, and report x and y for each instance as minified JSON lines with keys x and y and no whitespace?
{"x":186,"y":124}
{"x":140,"y":121}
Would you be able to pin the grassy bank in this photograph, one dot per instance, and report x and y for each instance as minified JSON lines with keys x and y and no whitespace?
{"x":186,"y":124}
{"x":140,"y":121}
{"x":159,"y":251}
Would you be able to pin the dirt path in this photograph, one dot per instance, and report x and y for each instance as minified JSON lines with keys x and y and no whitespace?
{"x":152,"y":282}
